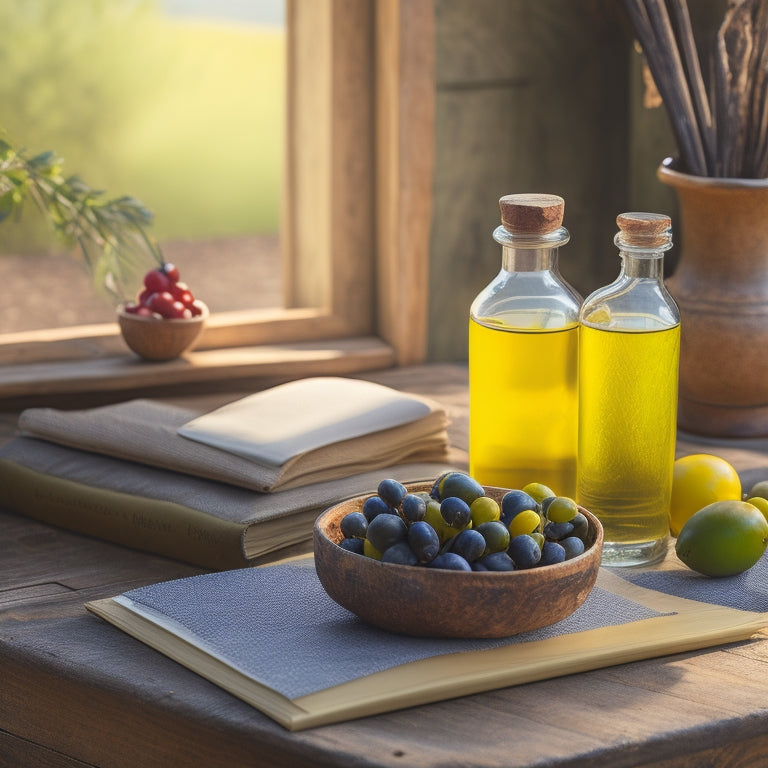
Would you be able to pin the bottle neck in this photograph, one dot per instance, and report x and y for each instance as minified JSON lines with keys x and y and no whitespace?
{"x":529,"y":259}
{"x":643,"y":258}
{"x":648,"y":265}
{"x":530,"y":253}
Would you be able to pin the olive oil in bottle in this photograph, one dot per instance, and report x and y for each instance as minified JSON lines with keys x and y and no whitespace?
{"x":523,"y":352}
{"x":629,"y":347}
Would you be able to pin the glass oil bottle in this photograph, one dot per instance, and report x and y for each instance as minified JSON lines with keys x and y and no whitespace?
{"x":629,"y":347}
{"x":523,"y":350}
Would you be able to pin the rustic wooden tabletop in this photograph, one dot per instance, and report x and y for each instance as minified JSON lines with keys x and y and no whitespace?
{"x":75,"y":691}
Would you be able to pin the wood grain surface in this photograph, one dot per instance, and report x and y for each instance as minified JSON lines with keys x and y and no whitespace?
{"x":75,"y":691}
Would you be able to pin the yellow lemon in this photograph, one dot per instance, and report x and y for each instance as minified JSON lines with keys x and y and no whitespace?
{"x":699,"y":480}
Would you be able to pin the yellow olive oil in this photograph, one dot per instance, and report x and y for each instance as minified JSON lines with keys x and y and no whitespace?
{"x":627,"y":429}
{"x":523,"y":405}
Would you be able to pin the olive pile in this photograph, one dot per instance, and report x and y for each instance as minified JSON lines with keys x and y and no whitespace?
{"x":458,"y":527}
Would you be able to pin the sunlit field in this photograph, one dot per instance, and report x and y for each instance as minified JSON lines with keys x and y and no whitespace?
{"x":185,"y":115}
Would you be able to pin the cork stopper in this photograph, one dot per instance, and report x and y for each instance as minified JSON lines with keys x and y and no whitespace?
{"x":646,"y":230}
{"x":531,"y":214}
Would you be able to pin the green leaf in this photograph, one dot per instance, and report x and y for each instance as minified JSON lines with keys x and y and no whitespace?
{"x":80,"y":188}
{"x":7,"y":204}
{"x":45,"y":162}
{"x":112,"y":236}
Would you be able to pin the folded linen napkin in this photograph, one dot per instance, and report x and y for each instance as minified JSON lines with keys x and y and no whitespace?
{"x":148,"y":432}
{"x":279,"y":424}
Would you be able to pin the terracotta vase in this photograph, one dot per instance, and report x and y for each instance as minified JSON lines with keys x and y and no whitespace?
{"x":721,"y":286}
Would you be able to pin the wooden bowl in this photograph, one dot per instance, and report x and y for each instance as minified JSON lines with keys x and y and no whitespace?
{"x":430,"y":602}
{"x":157,"y":339}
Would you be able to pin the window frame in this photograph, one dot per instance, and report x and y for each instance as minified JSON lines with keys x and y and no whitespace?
{"x":355,"y":228}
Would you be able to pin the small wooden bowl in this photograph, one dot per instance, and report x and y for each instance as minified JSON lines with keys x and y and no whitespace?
{"x":428,"y":602}
{"x":158,"y":339}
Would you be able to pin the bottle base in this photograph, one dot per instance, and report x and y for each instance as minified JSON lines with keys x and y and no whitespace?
{"x":620,"y":554}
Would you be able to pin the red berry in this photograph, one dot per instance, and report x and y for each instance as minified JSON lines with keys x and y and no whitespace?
{"x":162,"y":303}
{"x":196,"y":308}
{"x":171,"y":271}
{"x":131,"y":309}
{"x":181,"y":293}
{"x":177,"y":310}
{"x":143,"y":297}
{"x":156,"y":281}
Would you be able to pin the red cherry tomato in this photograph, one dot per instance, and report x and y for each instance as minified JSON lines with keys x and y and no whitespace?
{"x":156,"y":281}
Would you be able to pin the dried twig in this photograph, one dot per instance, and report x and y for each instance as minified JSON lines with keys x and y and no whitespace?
{"x":652,"y":27}
{"x":674,"y":71}
{"x":681,"y":22}
{"x":727,"y":133}
{"x":734,"y":49}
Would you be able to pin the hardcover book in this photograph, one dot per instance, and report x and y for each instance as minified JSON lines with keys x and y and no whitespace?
{"x":272,"y":637}
{"x":211,"y":524}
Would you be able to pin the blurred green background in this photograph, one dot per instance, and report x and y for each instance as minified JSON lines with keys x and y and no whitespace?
{"x":181,"y":111}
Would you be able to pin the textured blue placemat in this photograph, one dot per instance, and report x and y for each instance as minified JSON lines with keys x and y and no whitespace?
{"x":748,"y":591}
{"x":278,"y":625}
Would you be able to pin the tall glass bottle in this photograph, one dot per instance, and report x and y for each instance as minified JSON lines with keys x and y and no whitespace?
{"x":629,"y":346}
{"x":523,"y":350}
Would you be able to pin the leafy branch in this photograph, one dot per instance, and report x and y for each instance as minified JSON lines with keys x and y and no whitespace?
{"x":111,"y":234}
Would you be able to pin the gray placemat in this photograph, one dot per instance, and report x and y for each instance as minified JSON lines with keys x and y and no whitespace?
{"x":747,"y":591}
{"x":277,"y":625}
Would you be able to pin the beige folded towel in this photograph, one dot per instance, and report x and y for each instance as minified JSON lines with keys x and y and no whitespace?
{"x":148,"y":432}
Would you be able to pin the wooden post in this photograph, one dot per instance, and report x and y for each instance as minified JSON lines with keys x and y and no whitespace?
{"x":405,"y":113}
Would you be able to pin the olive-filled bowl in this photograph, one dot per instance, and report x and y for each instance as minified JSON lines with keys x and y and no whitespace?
{"x":432,"y":602}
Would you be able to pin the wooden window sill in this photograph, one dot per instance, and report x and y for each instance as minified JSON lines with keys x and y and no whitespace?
{"x":122,"y":375}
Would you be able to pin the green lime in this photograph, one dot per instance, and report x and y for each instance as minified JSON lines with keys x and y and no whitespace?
{"x":723,"y":539}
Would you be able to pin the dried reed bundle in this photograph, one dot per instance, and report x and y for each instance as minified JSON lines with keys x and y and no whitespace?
{"x":724,"y":132}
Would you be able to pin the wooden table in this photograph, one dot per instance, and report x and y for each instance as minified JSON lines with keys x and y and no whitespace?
{"x":75,"y":691}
